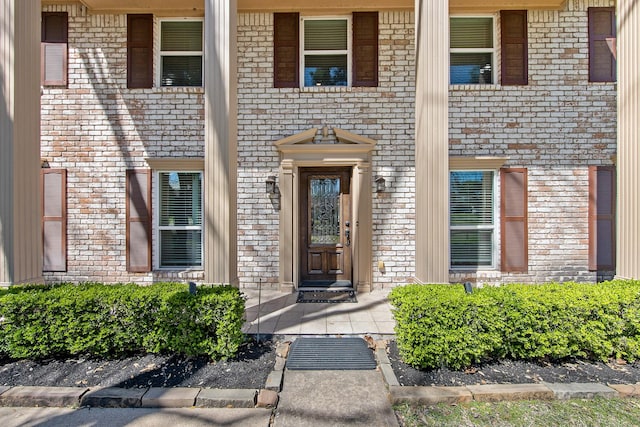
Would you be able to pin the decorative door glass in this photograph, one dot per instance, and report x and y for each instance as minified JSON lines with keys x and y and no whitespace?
{"x":324,"y":209}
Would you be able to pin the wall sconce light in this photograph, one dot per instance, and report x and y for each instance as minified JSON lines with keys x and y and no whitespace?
{"x":270,"y":184}
{"x":380,"y":184}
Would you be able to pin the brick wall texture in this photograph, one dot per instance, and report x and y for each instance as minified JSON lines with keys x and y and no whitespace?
{"x":556,"y":127}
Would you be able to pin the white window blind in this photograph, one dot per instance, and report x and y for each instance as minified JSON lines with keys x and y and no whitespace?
{"x":181,"y":53}
{"x":471,"y":218}
{"x":471,"y":50}
{"x":180,"y":219}
{"x":325,"y":55}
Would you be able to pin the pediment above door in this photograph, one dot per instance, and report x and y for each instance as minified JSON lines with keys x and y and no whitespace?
{"x":318,"y":141}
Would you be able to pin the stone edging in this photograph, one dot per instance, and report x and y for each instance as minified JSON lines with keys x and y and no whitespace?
{"x":151,"y":397}
{"x":432,"y":395}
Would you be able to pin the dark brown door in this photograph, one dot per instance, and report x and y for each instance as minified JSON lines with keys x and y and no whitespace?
{"x":325,"y":225}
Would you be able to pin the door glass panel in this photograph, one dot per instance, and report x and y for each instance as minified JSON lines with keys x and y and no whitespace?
{"x":324,"y":206}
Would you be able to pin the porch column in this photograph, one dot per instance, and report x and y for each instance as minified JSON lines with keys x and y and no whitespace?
{"x":432,"y":141}
{"x":220,"y":154}
{"x":287,"y":243}
{"x":362,"y":227}
{"x":628,"y":57}
{"x":20,"y":232}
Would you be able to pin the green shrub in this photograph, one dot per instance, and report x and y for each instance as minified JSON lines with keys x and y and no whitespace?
{"x":441,"y":325}
{"x":114,"y":320}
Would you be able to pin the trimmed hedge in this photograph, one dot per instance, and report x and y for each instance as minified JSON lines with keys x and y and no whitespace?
{"x":441,"y":325}
{"x":115,"y":320}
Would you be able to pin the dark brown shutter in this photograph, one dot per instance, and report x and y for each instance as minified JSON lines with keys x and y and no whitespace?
{"x":139,"y":220}
{"x":139,"y":51}
{"x":54,"y":219}
{"x":602,"y":218}
{"x":365,"y":49}
{"x":602,"y":25}
{"x":53,"y":49}
{"x":286,"y":49}
{"x":513,"y":216}
{"x":514,"y":46}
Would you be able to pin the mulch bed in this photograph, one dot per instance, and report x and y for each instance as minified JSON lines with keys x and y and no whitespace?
{"x":248,"y":370}
{"x":517,"y":372}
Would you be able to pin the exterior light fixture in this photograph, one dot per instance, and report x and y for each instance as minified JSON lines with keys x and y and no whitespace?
{"x":380,"y":184}
{"x":270,"y":184}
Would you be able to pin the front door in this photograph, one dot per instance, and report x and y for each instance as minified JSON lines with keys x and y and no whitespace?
{"x":325,"y":226}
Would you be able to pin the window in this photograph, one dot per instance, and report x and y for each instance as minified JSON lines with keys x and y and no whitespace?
{"x":180,"y":219}
{"x":472,"y":51}
{"x":472,"y":228}
{"x":328,"y":51}
{"x":181,"y":45}
{"x":602,"y":39}
{"x":54,"y":37}
{"x":325,"y":51}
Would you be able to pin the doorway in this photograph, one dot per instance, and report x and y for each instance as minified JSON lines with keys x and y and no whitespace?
{"x":326,"y":227}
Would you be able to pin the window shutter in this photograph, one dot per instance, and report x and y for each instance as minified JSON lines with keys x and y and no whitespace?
{"x":54,"y":219}
{"x":139,"y":51}
{"x":286,"y":49}
{"x":602,"y":25}
{"x":365,"y":49}
{"x":139,"y":221}
{"x":513,"y":29}
{"x":602,"y":219}
{"x":513,"y":217}
{"x":53,"y":49}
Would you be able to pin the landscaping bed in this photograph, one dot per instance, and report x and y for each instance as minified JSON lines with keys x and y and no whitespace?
{"x":248,"y":369}
{"x":516,"y":372}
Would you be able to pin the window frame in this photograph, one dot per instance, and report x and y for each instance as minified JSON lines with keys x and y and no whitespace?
{"x":158,"y":228}
{"x":160,"y":53}
{"x":493,"y":50}
{"x":494,"y":227}
{"x":349,"y":49}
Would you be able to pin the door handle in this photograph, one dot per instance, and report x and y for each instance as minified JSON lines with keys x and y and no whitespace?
{"x":347,"y":233}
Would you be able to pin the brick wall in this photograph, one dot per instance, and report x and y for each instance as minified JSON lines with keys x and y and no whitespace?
{"x":97,"y":129}
{"x":556,"y":126}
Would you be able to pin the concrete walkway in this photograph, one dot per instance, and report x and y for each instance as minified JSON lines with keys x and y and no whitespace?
{"x":272,"y":312}
{"x":334,"y":398}
{"x":132,"y":417}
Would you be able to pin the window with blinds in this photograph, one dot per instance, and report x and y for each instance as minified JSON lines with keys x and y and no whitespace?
{"x":180,"y":219}
{"x":472,"y":51}
{"x":181,"y":53}
{"x":325,"y":51}
{"x":471,"y":213}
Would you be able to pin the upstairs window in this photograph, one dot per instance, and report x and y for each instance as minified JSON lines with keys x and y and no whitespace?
{"x":181,"y":53}
{"x":472,"y":50}
{"x":472,"y":225}
{"x":54,"y":37}
{"x":325,"y":51}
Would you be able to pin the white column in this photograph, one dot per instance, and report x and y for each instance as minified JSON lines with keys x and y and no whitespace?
{"x":20,"y":229}
{"x":221,"y":130}
{"x":628,"y":57}
{"x":432,"y":141}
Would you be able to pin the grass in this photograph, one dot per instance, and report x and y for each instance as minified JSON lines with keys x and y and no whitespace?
{"x":602,"y":412}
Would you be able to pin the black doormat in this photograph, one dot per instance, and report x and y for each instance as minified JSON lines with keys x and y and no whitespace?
{"x":330,"y":354}
{"x":327,"y":295}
